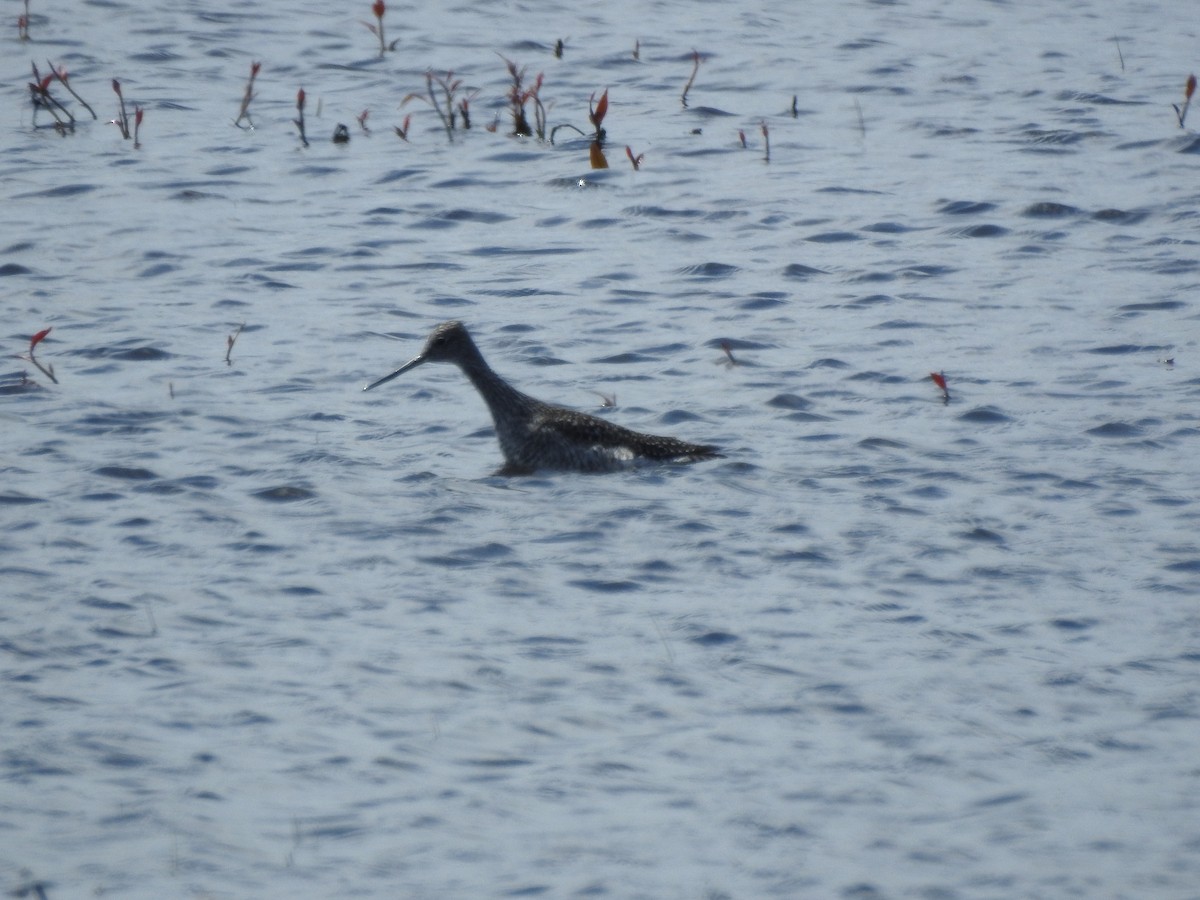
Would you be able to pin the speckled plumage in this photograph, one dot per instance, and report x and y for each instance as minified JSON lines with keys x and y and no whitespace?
{"x":535,"y":435}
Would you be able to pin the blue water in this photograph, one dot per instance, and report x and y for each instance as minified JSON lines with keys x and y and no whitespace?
{"x":266,"y":635}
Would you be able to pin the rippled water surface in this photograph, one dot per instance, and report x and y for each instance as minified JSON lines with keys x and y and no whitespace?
{"x":266,"y":635}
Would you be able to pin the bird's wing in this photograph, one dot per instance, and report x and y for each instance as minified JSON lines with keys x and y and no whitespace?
{"x":582,"y":429}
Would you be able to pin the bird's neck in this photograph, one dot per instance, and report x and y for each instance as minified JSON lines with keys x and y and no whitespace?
{"x":503,"y":400}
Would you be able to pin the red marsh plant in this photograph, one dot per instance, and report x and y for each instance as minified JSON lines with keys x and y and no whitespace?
{"x":596,"y":117}
{"x":230,"y":340}
{"x":441,"y":92}
{"x":402,"y":130}
{"x":39,"y":93}
{"x":378,"y":8}
{"x":247,"y":96}
{"x":596,"y":113}
{"x":518,"y":96}
{"x":122,"y":122}
{"x":60,"y":72}
{"x":1188,"y":90}
{"x":696,"y":59}
{"x":298,"y":122}
{"x":47,"y":370}
{"x":939,"y":378}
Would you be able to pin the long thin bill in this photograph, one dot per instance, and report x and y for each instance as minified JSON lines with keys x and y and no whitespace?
{"x":415,"y":361}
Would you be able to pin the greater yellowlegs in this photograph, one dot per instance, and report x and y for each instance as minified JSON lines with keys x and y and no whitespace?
{"x":535,"y":435}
